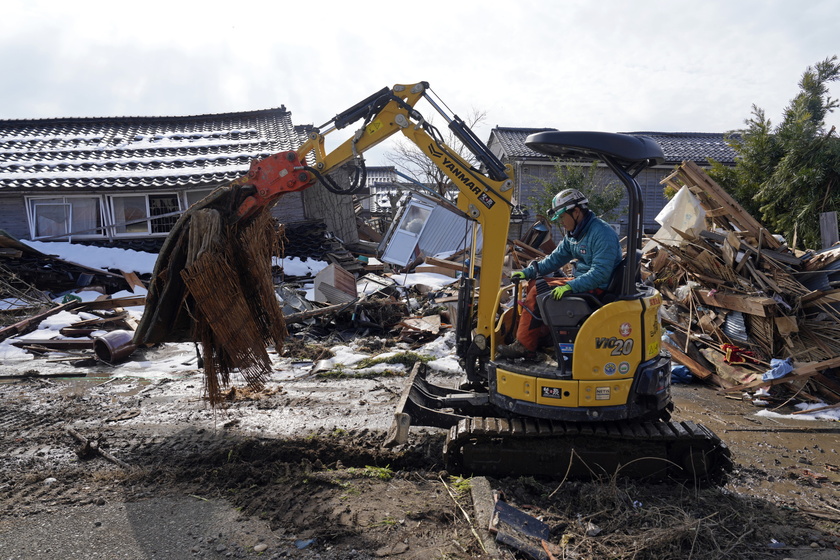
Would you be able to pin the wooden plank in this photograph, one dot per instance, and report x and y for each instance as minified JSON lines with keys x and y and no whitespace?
{"x":696,"y":369}
{"x":56,"y":343}
{"x":716,"y":212}
{"x":827,"y":385}
{"x":530,"y":251}
{"x":828,"y":229}
{"x":130,"y":301}
{"x":133,"y":280}
{"x":445,"y":271}
{"x":818,"y":261}
{"x":820,"y":297}
{"x":452,"y":265}
{"x":25,"y":324}
{"x":752,"y":305}
{"x":737,"y":214}
{"x":802,"y":372}
{"x":730,"y":249}
{"x":786,"y":258}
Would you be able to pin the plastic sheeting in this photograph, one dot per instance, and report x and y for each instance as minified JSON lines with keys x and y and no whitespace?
{"x":683,"y":213}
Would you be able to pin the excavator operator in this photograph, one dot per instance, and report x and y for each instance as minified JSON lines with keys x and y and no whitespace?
{"x":591,"y":241}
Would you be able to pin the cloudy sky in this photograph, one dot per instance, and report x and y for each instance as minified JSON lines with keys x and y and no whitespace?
{"x":612,"y":65}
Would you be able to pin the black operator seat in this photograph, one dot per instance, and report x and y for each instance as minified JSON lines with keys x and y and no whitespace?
{"x":633,"y":153}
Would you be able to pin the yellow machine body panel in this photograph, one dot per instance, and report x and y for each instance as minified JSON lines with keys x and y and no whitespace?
{"x":606,"y":354}
{"x":610,"y":343}
{"x":603,"y":393}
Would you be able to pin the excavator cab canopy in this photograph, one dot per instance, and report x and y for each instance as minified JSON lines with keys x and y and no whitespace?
{"x":632,"y":153}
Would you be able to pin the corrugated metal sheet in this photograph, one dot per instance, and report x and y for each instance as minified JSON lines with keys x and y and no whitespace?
{"x":445,"y":232}
{"x":735,"y":327}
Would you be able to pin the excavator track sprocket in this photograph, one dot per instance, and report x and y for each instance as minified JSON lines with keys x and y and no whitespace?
{"x":655,"y":450}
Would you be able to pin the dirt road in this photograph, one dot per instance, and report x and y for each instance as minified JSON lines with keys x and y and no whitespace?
{"x":297,"y":471}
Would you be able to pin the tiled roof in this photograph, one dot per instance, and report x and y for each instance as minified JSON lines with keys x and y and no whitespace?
{"x":512,"y":141}
{"x":698,"y":147}
{"x":140,"y":152}
{"x":677,"y":146}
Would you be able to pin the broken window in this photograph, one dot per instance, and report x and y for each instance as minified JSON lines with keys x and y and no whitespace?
{"x":64,"y":216}
{"x":415,"y":219}
{"x":166,"y":206}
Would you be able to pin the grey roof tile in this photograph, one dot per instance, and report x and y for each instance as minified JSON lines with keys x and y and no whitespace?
{"x":139,"y":152}
{"x":677,"y":146}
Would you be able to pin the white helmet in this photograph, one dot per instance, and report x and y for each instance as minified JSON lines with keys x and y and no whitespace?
{"x":564,"y":201}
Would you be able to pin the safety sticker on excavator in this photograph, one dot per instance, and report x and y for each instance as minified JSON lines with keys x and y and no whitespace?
{"x":602,"y":393}
{"x":552,"y":392}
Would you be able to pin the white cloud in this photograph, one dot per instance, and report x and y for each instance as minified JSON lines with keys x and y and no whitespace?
{"x":611,"y":65}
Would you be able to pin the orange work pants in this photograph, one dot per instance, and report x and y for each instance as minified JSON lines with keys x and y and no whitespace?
{"x":531,"y":329}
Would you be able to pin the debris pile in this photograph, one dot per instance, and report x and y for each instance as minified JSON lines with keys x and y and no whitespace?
{"x":741,"y":309}
{"x":27,"y":273}
{"x":102,"y":332}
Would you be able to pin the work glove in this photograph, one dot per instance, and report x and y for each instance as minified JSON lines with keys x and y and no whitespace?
{"x":558,"y":292}
{"x":517,"y":274}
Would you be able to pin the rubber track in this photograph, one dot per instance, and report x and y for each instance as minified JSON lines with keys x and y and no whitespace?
{"x":514,"y":445}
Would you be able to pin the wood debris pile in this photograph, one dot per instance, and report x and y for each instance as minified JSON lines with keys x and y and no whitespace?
{"x":740,"y":307}
{"x":103,"y":333}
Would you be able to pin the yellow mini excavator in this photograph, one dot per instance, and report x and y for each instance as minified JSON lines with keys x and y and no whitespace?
{"x":600,"y":406}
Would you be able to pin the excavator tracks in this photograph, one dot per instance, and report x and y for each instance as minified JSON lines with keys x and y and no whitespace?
{"x":655,"y":450}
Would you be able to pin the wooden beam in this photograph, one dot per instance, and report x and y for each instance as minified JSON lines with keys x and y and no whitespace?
{"x":696,"y":369}
{"x":736,"y":213}
{"x":751,"y":305}
{"x":452,"y":265}
{"x":802,"y":372}
{"x":819,"y":297}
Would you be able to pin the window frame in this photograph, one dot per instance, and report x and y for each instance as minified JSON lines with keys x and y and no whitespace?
{"x":32,"y":203}
{"x":115,"y":221}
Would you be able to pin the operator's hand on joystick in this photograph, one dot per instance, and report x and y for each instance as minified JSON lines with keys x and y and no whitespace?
{"x":517,"y":275}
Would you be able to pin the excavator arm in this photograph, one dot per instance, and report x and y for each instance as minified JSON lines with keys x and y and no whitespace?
{"x":484,"y":195}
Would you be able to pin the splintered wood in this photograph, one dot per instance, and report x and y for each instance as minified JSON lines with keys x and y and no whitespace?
{"x":747,"y":292}
{"x":213,"y":284}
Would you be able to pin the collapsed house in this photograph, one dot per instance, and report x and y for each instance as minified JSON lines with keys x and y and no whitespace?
{"x":743,"y":310}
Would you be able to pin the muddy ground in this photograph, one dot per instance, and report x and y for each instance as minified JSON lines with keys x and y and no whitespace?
{"x":297,"y":471}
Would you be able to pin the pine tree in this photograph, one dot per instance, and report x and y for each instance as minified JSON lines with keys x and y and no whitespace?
{"x":604,"y":198}
{"x":786,"y":176}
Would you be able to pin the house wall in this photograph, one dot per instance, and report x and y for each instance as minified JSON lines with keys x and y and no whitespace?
{"x":289,"y":208}
{"x":13,"y":216}
{"x":653,"y":199}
